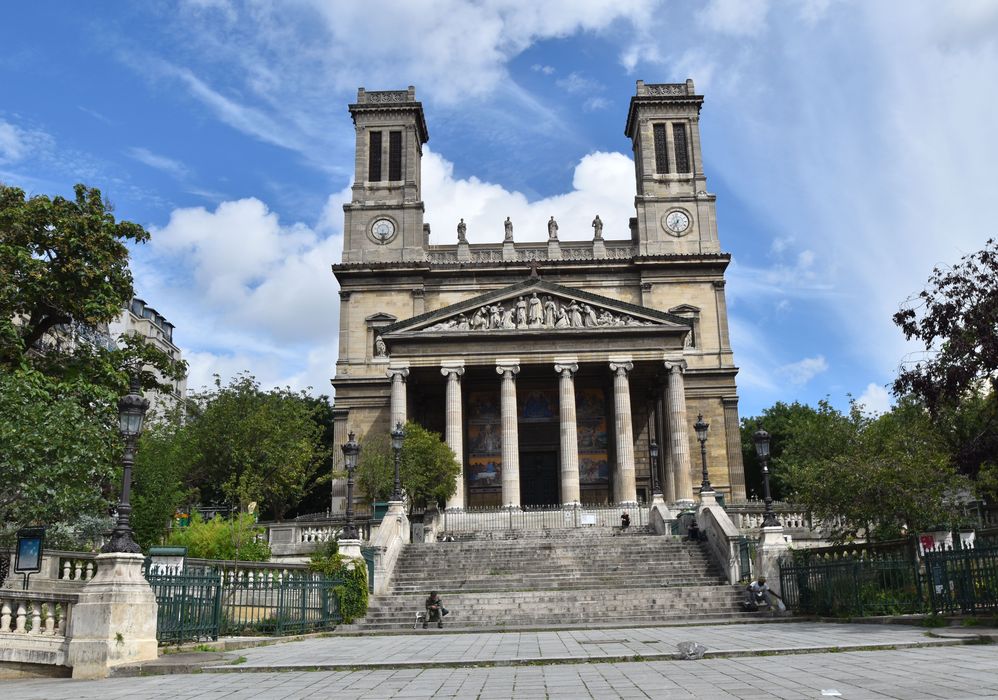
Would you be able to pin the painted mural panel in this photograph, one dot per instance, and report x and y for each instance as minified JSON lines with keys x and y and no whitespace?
{"x":484,"y":441}
{"x":591,"y":425}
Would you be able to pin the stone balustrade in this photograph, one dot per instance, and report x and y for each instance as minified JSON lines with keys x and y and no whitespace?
{"x":299,"y":538}
{"x":34,"y":627}
{"x":387,"y":543}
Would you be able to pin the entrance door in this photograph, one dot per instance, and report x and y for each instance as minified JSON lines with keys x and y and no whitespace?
{"x":539,"y":478}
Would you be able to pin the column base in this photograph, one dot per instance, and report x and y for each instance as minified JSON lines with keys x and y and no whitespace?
{"x":114,"y":621}
{"x":628,"y":504}
{"x":684,"y":504}
{"x":350,"y":548}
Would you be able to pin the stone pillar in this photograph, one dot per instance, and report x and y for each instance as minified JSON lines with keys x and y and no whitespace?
{"x":772,"y":545}
{"x":664,"y":449}
{"x":454,"y":431}
{"x":679,"y":432}
{"x":625,"y":488}
{"x":510,"y":434}
{"x":114,"y":621}
{"x":569,"y":435}
{"x":398,"y":406}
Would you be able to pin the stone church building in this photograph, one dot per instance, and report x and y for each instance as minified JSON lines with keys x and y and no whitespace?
{"x":548,"y":367}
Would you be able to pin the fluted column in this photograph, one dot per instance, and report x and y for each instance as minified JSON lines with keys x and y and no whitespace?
{"x":569,"y":434}
{"x":510,"y":436}
{"x":398,"y":404}
{"x":454,"y":430}
{"x":624,"y":486}
{"x":669,"y":480}
{"x":679,"y":432}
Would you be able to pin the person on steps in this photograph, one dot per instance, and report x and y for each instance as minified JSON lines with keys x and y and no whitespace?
{"x":625,"y":521}
{"x":435,"y":610}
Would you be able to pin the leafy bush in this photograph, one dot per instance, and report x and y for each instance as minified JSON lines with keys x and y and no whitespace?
{"x":239,"y":538}
{"x":352,"y":594}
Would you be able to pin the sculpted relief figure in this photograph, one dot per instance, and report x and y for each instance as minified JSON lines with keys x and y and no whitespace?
{"x":379,"y":347}
{"x":550,"y":312}
{"x":509,"y":230}
{"x":597,"y":229}
{"x":552,"y":229}
{"x":521,"y":313}
{"x":535,"y":312}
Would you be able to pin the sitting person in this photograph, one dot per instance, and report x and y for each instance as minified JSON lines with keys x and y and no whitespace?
{"x":434,"y":610}
{"x":757,"y":594}
{"x":693,"y":533}
{"x":625,"y":521}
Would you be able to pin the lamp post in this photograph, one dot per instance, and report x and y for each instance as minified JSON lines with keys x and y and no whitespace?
{"x":761,"y":439}
{"x":701,"y":427}
{"x":398,"y":435}
{"x":132,"y":409}
{"x":656,"y":490}
{"x":350,"y":451}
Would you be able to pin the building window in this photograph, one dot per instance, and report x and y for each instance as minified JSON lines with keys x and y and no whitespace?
{"x":374,"y":159}
{"x":682,"y":150}
{"x":661,"y":149}
{"x":394,"y":156}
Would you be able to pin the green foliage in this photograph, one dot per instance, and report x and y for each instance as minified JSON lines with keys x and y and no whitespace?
{"x":159,"y":479}
{"x":955,"y":318}
{"x":63,"y":274}
{"x":429,"y":470}
{"x":58,"y":451}
{"x":877,"y":473}
{"x":352,"y":596}
{"x":249,"y":445}
{"x":777,"y":421}
{"x":238,"y":539}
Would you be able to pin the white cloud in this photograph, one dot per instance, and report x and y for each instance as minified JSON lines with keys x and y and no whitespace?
{"x":541,"y":68}
{"x":603,"y":184}
{"x":169,"y":166}
{"x":875,"y":399}
{"x":17,"y":143}
{"x":248,"y":292}
{"x":595,"y":103}
{"x":736,"y":17}
{"x":577,"y":84}
{"x":803,"y":371}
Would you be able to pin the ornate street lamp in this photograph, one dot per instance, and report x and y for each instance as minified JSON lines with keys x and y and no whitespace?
{"x":350,"y":451}
{"x":701,"y":427}
{"x":761,"y":438}
{"x":656,"y":489}
{"x":398,"y":435}
{"x":132,"y":409}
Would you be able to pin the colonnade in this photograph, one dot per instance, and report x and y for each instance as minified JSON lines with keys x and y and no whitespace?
{"x":678,"y":485}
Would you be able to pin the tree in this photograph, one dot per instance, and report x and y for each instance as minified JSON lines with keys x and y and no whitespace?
{"x":160,"y":483}
{"x":238,"y":538}
{"x":429,"y":470}
{"x":63,"y":276}
{"x":881,"y":474}
{"x":777,"y":420}
{"x":250,"y":445}
{"x":59,"y":451}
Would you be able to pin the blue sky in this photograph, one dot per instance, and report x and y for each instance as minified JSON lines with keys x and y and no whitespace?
{"x":851,"y":145}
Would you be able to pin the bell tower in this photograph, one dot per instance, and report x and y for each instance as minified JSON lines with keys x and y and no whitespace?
{"x":675,"y":214}
{"x":384,"y":220}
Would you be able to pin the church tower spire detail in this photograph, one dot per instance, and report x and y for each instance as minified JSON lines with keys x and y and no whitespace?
{"x":384,"y":219}
{"x":675,"y":214}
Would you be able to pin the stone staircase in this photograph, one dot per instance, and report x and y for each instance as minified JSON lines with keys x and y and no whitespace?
{"x":557,"y":578}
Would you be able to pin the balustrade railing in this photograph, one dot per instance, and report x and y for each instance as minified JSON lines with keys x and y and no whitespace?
{"x":34,"y":626}
{"x":541,"y":518}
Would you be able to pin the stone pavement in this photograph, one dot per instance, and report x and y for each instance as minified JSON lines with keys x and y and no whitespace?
{"x":604,"y":663}
{"x":435,"y":647}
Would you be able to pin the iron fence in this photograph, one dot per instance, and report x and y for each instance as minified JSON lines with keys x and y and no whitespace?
{"x":201,"y":603}
{"x":853,"y":587}
{"x":963,"y":580}
{"x":542,"y":518}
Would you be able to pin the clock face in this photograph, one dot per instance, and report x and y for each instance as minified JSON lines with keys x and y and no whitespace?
{"x":677,"y":222}
{"x":383,"y":230}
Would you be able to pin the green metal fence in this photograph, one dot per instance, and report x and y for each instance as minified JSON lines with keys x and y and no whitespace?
{"x":199,"y":604}
{"x":286,"y":604}
{"x":188,"y":604}
{"x":853,"y":587}
{"x":963,"y":580}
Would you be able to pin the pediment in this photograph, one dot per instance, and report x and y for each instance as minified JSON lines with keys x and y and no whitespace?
{"x":537,"y":305}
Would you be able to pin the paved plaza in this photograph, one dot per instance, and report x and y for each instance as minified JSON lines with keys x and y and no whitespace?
{"x":887,"y":661}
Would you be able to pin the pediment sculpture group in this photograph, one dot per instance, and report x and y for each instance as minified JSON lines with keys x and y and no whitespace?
{"x":534,"y":312}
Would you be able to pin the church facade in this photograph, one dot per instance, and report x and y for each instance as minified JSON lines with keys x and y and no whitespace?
{"x":550,"y":368}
